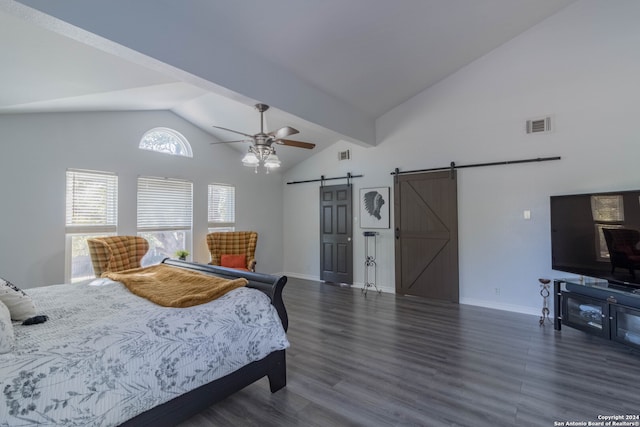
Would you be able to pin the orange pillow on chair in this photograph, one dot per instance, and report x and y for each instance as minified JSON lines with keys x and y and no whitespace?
{"x":234,"y":261}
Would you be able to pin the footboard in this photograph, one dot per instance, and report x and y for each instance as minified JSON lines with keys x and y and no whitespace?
{"x":273,"y":366}
{"x":271,"y":285}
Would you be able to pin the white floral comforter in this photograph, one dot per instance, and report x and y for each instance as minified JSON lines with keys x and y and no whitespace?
{"x":106,"y":355}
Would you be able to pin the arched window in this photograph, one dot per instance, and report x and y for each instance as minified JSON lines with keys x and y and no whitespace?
{"x":165,"y":140}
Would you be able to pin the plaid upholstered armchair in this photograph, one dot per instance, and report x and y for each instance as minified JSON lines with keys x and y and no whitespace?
{"x":116,"y":253}
{"x":234,"y":249}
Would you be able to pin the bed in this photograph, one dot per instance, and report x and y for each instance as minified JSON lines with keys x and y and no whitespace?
{"x":107,"y":357}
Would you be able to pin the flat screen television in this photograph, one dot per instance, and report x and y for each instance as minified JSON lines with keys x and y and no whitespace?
{"x":597,"y":235}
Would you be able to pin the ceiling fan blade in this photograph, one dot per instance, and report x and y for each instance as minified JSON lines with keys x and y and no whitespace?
{"x":234,"y":131}
{"x":227,"y":142}
{"x":292,"y":143}
{"x":283,"y":132}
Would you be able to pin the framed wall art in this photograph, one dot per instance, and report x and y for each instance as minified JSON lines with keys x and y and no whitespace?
{"x":374,"y":207}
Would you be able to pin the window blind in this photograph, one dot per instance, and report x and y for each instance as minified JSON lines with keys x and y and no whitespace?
{"x":222,"y":205}
{"x":92,"y":201}
{"x":164,"y":204}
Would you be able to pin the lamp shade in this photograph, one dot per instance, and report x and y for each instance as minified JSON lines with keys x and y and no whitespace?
{"x":272,"y":161}
{"x":250,"y":159}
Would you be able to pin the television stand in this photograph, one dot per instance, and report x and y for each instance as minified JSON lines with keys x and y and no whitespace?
{"x":610,"y":311}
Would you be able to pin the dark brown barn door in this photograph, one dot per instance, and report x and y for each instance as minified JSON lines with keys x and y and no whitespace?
{"x":426,"y":226}
{"x":336,"y":246}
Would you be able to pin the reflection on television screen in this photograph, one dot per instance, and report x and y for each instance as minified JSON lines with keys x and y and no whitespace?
{"x":597,"y":235}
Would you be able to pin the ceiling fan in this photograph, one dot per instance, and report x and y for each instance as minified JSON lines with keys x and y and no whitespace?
{"x":262,"y":150}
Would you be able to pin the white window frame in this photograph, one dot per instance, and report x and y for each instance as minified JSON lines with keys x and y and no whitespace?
{"x":221,"y":218}
{"x":165,"y":204}
{"x":174,"y":143}
{"x":85,"y":214}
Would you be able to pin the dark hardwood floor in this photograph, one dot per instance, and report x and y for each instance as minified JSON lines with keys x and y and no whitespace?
{"x":386,"y":360}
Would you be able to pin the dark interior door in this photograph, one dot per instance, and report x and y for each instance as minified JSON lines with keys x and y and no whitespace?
{"x":336,"y":246}
{"x":426,"y":226}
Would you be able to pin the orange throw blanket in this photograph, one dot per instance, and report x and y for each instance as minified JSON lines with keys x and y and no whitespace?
{"x":173,"y":286}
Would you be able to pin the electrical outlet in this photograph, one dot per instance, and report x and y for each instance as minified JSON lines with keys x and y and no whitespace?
{"x":496,"y":291}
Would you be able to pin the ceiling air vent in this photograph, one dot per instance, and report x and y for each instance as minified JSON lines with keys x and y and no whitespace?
{"x":344,"y":155}
{"x":541,"y":125}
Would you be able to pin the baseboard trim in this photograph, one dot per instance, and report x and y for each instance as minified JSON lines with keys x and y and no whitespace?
{"x":301,"y":276}
{"x":499,"y":306}
{"x":353,"y":285}
{"x":467,"y":301}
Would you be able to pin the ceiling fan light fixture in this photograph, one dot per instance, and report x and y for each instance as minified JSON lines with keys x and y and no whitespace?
{"x":250,"y":159}
{"x":261,"y":152}
{"x":272,"y":161}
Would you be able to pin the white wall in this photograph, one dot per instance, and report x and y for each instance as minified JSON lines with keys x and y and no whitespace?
{"x":582,"y":65}
{"x":37,"y":149}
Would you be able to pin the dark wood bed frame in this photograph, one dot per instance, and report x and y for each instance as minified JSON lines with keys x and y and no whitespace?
{"x":273,"y":366}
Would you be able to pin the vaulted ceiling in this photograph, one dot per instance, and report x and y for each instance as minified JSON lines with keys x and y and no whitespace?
{"x":327,"y":67}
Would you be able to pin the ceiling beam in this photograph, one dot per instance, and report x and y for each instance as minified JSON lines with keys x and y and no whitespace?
{"x":161,"y":35}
